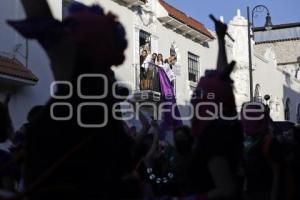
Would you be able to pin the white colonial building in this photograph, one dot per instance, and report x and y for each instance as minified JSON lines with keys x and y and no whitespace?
{"x":282,"y":45}
{"x":167,"y":27}
{"x":161,"y":28}
{"x":276,"y":63}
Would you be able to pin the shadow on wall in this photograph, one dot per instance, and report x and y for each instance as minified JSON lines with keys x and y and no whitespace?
{"x":288,"y":80}
{"x":294,"y":98}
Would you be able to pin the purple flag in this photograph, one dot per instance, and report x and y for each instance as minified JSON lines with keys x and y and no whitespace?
{"x":167,"y":93}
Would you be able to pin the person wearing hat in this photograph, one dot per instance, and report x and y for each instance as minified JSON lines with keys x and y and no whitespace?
{"x":65,"y":160}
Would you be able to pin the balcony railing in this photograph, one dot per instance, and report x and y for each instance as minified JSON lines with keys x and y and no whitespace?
{"x":147,"y":83}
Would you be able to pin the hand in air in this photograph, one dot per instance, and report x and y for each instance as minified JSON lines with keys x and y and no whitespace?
{"x":221,"y":28}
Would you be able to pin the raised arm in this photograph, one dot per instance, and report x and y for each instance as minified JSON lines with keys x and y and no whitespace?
{"x":37,"y":9}
{"x":155,"y":143}
{"x":41,"y":25}
{"x":221,"y":30}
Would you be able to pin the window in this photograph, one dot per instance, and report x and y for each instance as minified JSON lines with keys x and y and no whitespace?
{"x":287,"y":109}
{"x":193,"y":65}
{"x":298,"y":114}
{"x":145,"y":41}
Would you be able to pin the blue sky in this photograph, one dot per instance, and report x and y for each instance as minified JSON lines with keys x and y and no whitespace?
{"x":282,"y":11}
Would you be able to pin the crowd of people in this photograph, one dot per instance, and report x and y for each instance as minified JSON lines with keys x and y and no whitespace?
{"x":212,"y":160}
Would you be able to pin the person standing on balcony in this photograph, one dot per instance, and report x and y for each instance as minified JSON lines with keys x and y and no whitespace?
{"x":144,"y":82}
{"x":154,"y":58}
{"x":151,"y":73}
{"x":143,"y":57}
{"x":160,"y":60}
{"x":168,"y":69}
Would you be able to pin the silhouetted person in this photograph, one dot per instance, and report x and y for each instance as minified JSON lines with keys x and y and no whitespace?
{"x":296,"y":164}
{"x":7,"y":174}
{"x":258,"y":169}
{"x":18,"y":145}
{"x":219,"y":140}
{"x":65,"y":160}
{"x":292,"y":163}
{"x":184,"y":142}
{"x":19,"y":137}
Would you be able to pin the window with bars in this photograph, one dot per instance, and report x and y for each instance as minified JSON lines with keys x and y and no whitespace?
{"x":193,"y":65}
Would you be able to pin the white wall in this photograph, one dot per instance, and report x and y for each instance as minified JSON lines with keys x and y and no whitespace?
{"x":24,"y":98}
{"x":272,"y":80}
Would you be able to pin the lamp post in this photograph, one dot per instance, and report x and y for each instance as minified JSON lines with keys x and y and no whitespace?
{"x":268,"y":26}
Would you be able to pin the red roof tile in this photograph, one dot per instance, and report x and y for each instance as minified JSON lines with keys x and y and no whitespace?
{"x":182,"y":17}
{"x":13,"y":67}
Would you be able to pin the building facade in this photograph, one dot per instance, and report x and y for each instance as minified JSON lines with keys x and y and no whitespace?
{"x":275,"y":66}
{"x":282,"y":43}
{"x":158,"y":27}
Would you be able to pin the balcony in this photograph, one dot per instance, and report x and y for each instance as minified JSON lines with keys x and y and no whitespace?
{"x":147,"y":84}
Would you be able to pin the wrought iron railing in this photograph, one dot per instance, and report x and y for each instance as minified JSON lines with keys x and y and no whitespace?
{"x":149,"y":77}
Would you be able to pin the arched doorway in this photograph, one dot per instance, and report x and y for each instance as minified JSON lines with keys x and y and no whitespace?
{"x":287,"y":109}
{"x":257,"y":96}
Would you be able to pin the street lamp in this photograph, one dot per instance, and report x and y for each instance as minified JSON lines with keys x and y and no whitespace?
{"x":268,"y":26}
